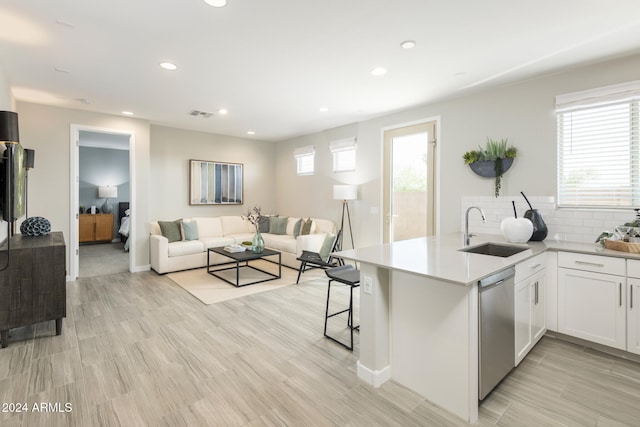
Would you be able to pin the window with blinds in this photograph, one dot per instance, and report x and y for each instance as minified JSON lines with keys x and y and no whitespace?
{"x":599,"y":147}
{"x":344,"y":154}
{"x":304,"y":159}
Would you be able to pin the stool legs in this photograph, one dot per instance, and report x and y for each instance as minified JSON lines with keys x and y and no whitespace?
{"x":349,"y":317}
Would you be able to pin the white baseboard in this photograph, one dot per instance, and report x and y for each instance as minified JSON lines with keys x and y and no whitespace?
{"x":141,"y":268}
{"x":374,"y":378}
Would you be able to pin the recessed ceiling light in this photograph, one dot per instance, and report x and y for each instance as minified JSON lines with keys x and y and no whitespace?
{"x":222,"y":111}
{"x":408,"y":44}
{"x":216,"y":3}
{"x":168,"y":66}
{"x":323,"y":109}
{"x":127,"y":113}
{"x":251,"y":132}
{"x":379,"y":71}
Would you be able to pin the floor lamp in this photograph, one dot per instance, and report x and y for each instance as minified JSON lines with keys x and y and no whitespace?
{"x":345,"y":193}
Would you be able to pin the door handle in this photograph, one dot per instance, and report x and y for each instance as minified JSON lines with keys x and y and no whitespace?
{"x":620,"y":293}
{"x":594,"y":264}
{"x":536,"y":300}
{"x":631,"y":296}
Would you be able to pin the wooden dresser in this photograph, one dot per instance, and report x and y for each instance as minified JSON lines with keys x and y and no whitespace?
{"x":95,"y":228}
{"x":33,"y":288}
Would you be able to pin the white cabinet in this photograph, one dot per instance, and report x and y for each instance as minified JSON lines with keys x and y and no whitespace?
{"x":529,"y":305}
{"x":592,"y":305}
{"x":633,"y":306}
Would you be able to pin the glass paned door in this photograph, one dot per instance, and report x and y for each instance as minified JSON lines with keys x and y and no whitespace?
{"x":409,"y":182}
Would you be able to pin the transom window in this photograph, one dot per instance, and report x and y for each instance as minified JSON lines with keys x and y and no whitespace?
{"x":599,"y":147}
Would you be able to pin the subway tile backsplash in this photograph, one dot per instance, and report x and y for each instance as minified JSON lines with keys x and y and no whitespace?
{"x":577,"y":225}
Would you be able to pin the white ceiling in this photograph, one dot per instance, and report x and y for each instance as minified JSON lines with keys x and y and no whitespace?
{"x":273,"y":64}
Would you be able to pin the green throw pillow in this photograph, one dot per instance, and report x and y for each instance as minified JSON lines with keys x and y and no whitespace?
{"x":263,"y":224}
{"x":190,"y":230}
{"x":296,"y":228}
{"x":170,"y":230}
{"x":306,"y":227}
{"x":327,"y":245}
{"x":278,"y":225}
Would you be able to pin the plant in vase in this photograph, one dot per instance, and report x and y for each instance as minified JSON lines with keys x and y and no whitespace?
{"x":253,"y":216}
{"x":492,"y":161}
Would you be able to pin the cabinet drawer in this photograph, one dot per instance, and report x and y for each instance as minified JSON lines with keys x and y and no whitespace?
{"x":531,"y":266}
{"x":595,"y":263}
{"x":633,"y":268}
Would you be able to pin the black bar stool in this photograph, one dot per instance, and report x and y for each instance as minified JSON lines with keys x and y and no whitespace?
{"x":347,"y":275}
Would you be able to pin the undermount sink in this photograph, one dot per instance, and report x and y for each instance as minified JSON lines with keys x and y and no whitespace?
{"x":495,"y":249}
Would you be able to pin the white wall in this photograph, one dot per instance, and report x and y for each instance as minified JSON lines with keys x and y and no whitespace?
{"x":522,"y":112}
{"x":171,"y":151}
{"x":47,"y":130}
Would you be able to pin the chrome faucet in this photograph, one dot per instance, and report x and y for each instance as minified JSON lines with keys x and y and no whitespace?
{"x":467,"y":236}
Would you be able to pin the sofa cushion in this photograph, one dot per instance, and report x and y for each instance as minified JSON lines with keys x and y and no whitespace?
{"x":324,"y":226}
{"x":291,"y":226}
{"x":216,"y":242}
{"x":263,"y":224}
{"x":190,"y":230}
{"x":306,"y":226}
{"x":185,"y":248}
{"x":297,"y":228}
{"x":278,"y":225}
{"x":235,"y":225}
{"x":209,"y":227}
{"x":327,"y":245}
{"x":171,"y":230}
{"x":280,"y":242}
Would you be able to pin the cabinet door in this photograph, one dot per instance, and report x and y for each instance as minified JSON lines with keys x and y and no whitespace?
{"x":633,"y":316}
{"x":592,"y":306}
{"x":538,"y":315}
{"x":522,"y":314}
{"x":86,"y":228}
{"x":104,"y":227}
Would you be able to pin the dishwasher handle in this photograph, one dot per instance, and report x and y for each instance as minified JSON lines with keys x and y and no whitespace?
{"x":496,"y":279}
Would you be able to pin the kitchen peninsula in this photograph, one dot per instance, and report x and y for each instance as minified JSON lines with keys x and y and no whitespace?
{"x":419,"y":315}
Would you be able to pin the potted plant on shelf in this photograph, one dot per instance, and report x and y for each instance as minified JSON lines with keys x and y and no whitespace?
{"x":492,"y":161}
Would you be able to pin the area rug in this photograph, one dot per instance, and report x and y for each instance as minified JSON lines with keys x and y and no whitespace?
{"x":210,"y":289}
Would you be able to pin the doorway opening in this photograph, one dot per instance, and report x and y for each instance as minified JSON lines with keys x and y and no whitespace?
{"x":409,"y":182}
{"x":102,"y":195}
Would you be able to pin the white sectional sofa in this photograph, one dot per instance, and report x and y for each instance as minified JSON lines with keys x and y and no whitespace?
{"x":225,"y":230}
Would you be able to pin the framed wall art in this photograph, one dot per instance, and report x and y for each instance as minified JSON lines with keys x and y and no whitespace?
{"x":215,"y":183}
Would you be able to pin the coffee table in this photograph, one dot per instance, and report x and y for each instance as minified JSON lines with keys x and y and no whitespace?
{"x":239,"y":258}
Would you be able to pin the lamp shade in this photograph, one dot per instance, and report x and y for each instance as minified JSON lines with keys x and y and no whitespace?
{"x":107,"y":192}
{"x":345,"y":192}
{"x":9,"y":127}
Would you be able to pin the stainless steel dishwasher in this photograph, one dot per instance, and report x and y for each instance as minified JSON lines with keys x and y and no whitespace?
{"x":496,"y":341}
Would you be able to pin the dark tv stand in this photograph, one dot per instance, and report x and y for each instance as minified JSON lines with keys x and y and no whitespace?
{"x":33,"y":288}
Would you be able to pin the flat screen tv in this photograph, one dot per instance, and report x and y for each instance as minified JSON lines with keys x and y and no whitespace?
{"x":12,"y":183}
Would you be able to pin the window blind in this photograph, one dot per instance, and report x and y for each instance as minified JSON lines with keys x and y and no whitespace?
{"x":599,"y":150}
{"x":344,"y":154}
{"x":304,"y":159}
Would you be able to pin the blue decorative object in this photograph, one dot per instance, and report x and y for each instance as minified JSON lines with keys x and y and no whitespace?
{"x":35,"y":226}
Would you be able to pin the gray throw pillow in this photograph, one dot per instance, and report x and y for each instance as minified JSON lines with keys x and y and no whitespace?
{"x":263,"y":224}
{"x":296,"y":228}
{"x":190,"y":230}
{"x":278,"y":225}
{"x":171,"y":230}
{"x":327,"y":245}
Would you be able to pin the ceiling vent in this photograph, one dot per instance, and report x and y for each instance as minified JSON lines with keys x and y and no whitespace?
{"x":197,"y":113}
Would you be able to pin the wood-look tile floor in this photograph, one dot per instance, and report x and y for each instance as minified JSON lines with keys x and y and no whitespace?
{"x":137,"y":350}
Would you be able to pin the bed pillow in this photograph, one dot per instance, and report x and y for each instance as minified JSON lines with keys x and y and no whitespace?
{"x":171,"y":230}
{"x":278,"y":224}
{"x":190,"y":230}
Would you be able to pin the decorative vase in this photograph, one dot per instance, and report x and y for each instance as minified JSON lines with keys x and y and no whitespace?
{"x":258,"y":243}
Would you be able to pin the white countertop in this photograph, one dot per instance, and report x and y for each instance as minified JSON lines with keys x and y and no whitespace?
{"x":439,"y":257}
